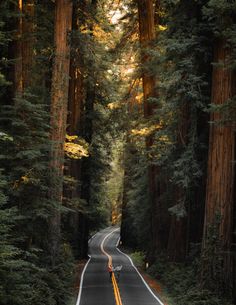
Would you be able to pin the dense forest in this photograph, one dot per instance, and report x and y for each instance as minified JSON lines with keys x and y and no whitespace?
{"x":118,"y":112}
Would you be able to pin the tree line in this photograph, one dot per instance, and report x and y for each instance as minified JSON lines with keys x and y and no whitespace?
{"x":117,"y":111}
{"x":53,"y":94}
{"x":179,"y":184}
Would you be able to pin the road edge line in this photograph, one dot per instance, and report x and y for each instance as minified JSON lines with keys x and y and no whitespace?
{"x":145,"y":283}
{"x":90,"y":239}
{"x":81,"y":281}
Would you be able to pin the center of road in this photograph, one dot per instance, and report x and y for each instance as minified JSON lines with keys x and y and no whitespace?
{"x":114,"y":282}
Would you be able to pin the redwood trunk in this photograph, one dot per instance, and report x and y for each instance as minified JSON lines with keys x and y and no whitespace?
{"x":86,"y":167}
{"x":59,"y":101}
{"x":27,"y":42}
{"x":23,"y":46}
{"x":75,"y":106}
{"x":147,"y":37}
{"x":220,"y":179}
{"x":18,"y":68}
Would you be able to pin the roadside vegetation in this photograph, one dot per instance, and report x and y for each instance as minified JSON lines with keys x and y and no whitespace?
{"x":117,"y":112}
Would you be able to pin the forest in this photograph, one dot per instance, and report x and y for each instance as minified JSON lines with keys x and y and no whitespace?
{"x":118,"y":112}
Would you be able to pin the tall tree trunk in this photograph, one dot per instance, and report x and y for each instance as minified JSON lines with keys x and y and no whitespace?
{"x":147,"y":36}
{"x":18,"y":67}
{"x":220,"y":179}
{"x":27,"y":42}
{"x":59,"y":102}
{"x":75,"y":106}
{"x":23,"y":46}
{"x":234,"y":247}
{"x":86,"y":169}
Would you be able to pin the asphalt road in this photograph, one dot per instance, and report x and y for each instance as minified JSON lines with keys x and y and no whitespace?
{"x":96,"y":287}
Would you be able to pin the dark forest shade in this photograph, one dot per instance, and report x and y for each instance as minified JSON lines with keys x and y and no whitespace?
{"x":141,"y":96}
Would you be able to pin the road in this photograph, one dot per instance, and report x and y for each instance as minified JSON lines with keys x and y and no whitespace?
{"x":97,"y":289}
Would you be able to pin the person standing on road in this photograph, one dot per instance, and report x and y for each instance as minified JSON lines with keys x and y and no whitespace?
{"x":118,"y":270}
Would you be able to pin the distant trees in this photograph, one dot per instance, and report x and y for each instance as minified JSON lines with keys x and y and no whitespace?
{"x":87,"y":98}
{"x":195,"y":87}
{"x":37,"y":74}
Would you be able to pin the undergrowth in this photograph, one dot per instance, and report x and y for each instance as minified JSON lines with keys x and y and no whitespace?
{"x":181,"y":284}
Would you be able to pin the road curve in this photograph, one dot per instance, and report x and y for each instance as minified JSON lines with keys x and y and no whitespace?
{"x":96,"y":287}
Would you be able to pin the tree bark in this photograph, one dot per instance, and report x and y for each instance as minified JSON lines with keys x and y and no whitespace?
{"x":74,"y":120}
{"x":27,"y":42}
{"x":23,"y":46}
{"x":221,"y":158}
{"x":86,"y":167}
{"x":147,"y":36}
{"x":18,"y":67}
{"x":59,"y":102}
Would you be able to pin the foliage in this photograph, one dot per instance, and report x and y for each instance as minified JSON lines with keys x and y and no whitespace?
{"x":75,"y":148}
{"x":138,"y":258}
{"x":26,"y":275}
{"x":181,"y":282}
{"x":25,"y":159}
{"x":181,"y":61}
{"x":109,"y":146}
{"x":212,"y":255}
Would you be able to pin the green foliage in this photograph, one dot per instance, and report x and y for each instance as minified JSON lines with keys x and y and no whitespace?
{"x":26,"y":275}
{"x":100,"y":163}
{"x":75,"y":147}
{"x":181,"y":283}
{"x":212,"y":258}
{"x":138,"y":258}
{"x":181,"y":61}
{"x":94,"y":39}
{"x":28,"y":278}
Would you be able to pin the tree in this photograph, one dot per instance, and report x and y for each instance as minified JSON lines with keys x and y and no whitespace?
{"x":59,"y":102}
{"x":187,"y":101}
{"x":23,"y":45}
{"x":147,"y":35}
{"x":220,"y":178}
{"x":74,"y":121}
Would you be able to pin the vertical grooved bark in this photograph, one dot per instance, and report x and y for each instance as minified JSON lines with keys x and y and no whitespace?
{"x":220,"y":182}
{"x":147,"y":36}
{"x":74,"y":128}
{"x":59,"y":100}
{"x":27,"y":42}
{"x":18,"y":68}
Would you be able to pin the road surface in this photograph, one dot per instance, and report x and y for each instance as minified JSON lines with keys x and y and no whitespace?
{"x":96,"y":287}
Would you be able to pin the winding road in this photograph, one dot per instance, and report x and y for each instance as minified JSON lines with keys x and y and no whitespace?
{"x":96,"y":288}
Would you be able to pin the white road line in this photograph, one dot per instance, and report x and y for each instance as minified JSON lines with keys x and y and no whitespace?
{"x":118,"y":242}
{"x":85,"y":267}
{"x":145,"y":283}
{"x":90,"y":239}
{"x":81,"y":281}
{"x":132,"y":264}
